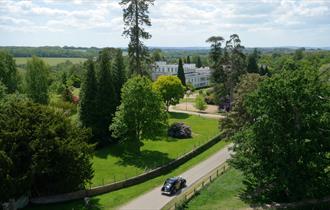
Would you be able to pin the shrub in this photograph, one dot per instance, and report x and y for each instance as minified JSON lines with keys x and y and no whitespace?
{"x":179,"y":130}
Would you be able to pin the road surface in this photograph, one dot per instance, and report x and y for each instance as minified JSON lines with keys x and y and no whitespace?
{"x":154,"y":200}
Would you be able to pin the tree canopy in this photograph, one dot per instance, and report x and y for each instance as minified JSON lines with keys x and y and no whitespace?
{"x":170,"y":88}
{"x":135,"y":15}
{"x":284,"y":151}
{"x":106,"y":98}
{"x":37,"y":75}
{"x":40,"y":151}
{"x":8,"y":72}
{"x":87,"y":102}
{"x":141,"y":113}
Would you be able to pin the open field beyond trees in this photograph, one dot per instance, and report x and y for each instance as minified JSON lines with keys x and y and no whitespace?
{"x":50,"y":61}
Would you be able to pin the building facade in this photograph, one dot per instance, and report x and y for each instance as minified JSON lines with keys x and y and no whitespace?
{"x":198,"y":77}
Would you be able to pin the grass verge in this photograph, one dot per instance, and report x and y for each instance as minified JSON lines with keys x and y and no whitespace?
{"x":223,"y":193}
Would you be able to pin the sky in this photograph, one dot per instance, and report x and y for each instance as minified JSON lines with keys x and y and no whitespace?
{"x":175,"y":23}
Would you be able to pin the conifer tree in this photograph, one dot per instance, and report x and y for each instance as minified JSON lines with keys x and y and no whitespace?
{"x":119,"y":73}
{"x":199,"y":62}
{"x":181,"y":73}
{"x":252,"y":63}
{"x":8,"y":72}
{"x":87,"y":103}
{"x":188,"y":59}
{"x":135,"y":15}
{"x":37,"y":80}
{"x":105,"y":97}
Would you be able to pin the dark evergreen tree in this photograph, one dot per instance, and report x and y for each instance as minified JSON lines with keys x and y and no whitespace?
{"x":188,"y":59}
{"x":216,"y":51}
{"x":252,"y":62}
{"x":135,"y":16}
{"x":199,"y":63}
{"x":8,"y":72}
{"x":37,"y":80}
{"x":87,"y":103}
{"x":106,"y":99}
{"x":181,"y":74}
{"x":119,"y":73}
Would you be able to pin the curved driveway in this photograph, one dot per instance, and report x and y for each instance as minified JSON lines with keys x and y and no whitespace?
{"x":153,"y":199}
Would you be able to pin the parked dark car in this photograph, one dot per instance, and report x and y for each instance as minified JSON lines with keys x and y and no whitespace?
{"x":172,"y":185}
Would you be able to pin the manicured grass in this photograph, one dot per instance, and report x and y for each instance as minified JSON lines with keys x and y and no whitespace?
{"x":111,"y":164}
{"x":114,"y":199}
{"x":51,"y":61}
{"x":223,"y":193}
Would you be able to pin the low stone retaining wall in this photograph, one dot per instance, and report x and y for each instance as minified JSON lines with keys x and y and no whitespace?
{"x":129,"y":182}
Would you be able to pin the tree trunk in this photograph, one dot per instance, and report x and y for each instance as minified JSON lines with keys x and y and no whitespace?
{"x":137,"y":50}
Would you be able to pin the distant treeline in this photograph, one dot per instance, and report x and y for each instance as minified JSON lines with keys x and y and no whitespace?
{"x":171,"y":53}
{"x":61,"y":52}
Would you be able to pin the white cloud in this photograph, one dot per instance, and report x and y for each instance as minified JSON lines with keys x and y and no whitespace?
{"x":177,"y":19}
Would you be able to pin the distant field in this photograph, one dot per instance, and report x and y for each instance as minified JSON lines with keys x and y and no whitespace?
{"x":51,"y":61}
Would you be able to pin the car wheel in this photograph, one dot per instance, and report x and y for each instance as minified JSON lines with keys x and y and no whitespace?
{"x":174,"y":192}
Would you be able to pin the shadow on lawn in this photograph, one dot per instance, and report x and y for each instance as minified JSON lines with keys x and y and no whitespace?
{"x":176,"y":115}
{"x":146,"y":159}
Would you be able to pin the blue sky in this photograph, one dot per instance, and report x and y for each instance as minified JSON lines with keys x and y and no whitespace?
{"x":175,"y":23}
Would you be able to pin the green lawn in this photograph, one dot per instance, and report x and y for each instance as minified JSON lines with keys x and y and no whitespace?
{"x":223,"y":193}
{"x":50,"y":61}
{"x":119,"y":197}
{"x":111,"y":165}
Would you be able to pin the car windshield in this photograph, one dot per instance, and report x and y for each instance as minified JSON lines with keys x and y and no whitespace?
{"x":170,"y":181}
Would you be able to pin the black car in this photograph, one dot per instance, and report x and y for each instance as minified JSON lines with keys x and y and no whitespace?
{"x":172,"y":185}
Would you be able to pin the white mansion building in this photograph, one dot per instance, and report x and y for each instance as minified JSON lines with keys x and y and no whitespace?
{"x":198,"y":77}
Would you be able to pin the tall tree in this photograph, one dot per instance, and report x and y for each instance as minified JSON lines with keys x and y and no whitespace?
{"x":188,"y":59}
{"x":284,"y":152}
{"x":237,"y":63}
{"x":37,"y":80}
{"x":119,"y":73}
{"x":239,"y":117}
{"x":252,"y":62}
{"x":135,"y":16}
{"x":141,"y":113}
{"x":199,"y":63}
{"x":8,"y":72}
{"x":216,"y":51}
{"x":87,"y":103}
{"x":105,"y":97}
{"x":181,"y":74}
